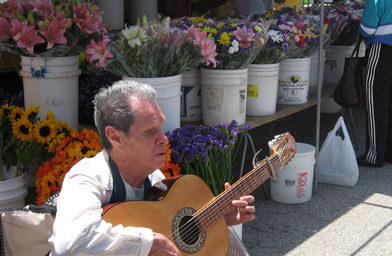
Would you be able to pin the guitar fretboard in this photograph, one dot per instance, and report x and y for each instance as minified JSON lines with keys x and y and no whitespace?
{"x":221,"y":204}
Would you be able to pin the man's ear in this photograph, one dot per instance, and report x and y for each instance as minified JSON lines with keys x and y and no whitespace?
{"x":114,"y":136}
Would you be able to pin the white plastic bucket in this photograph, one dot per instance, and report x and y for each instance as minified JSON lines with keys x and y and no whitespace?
{"x":139,"y":8}
{"x":169,"y":97}
{"x":191,"y":96}
{"x":334,"y":65}
{"x":295,"y":181}
{"x":262,"y":89}
{"x":13,"y":190}
{"x":52,"y":84}
{"x":113,"y":13}
{"x":313,"y":77}
{"x":294,"y":81}
{"x":223,"y":95}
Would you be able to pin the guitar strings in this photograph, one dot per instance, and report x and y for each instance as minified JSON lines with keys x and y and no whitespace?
{"x":188,"y":231}
{"x":211,"y":209}
{"x":254,"y":186}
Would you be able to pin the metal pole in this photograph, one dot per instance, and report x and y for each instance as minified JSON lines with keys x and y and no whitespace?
{"x":320,"y":87}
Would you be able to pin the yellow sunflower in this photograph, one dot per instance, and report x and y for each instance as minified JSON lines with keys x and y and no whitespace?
{"x":55,"y":142}
{"x":63,"y":127}
{"x":23,"y":129}
{"x":51,"y":117}
{"x":7,"y":109}
{"x":16,"y":114}
{"x":75,"y":152}
{"x":45,"y":131}
{"x":32,"y":112}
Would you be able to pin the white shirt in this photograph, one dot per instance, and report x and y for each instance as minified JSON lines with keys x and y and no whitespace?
{"x":79,"y":229}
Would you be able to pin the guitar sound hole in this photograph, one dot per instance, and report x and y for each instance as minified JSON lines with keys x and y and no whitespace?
{"x":186,"y":232}
{"x":189,"y":230}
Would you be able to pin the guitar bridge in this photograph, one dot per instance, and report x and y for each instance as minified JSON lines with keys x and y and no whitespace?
{"x":271,"y":169}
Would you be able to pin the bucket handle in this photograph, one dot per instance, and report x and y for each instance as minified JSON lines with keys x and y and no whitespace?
{"x":41,"y":74}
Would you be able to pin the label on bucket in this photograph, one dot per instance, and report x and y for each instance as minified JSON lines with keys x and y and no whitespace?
{"x":253,"y":90}
{"x":190,"y":101}
{"x":293,"y":90}
{"x":214,"y":98}
{"x":242,"y":101}
{"x":302,"y":181}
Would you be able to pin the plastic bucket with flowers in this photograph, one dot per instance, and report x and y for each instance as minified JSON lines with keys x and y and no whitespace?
{"x":191,"y":96}
{"x":13,"y":189}
{"x":52,"y":84}
{"x":262,"y":89}
{"x":224,"y":95}
{"x":294,"y":81}
{"x":169,"y":92}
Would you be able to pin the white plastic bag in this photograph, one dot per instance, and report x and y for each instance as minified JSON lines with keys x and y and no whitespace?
{"x":337,"y":163}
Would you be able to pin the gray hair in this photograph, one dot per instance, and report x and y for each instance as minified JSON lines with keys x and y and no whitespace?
{"x":112,"y":106}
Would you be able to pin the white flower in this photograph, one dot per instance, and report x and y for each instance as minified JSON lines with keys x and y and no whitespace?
{"x":276,"y":36}
{"x":235,"y":44}
{"x":231,"y":50}
{"x":130,"y":32}
{"x":135,"y":35}
{"x":134,"y":42}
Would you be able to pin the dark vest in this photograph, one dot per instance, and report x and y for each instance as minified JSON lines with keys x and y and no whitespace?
{"x":119,"y":193}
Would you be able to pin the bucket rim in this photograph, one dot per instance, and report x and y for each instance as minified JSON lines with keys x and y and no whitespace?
{"x":224,"y":71}
{"x":153,"y":80}
{"x":264,"y":65}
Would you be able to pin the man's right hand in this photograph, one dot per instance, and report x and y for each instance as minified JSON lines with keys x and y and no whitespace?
{"x":162,"y":246}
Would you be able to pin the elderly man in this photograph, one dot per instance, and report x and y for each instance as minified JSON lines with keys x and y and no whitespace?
{"x":129,"y":123}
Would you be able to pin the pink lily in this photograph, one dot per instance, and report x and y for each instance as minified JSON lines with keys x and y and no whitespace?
{"x":11,"y":8}
{"x":87,"y":22}
{"x":198,"y":37}
{"x":208,"y":51}
{"x":244,"y":36}
{"x":17,"y":28}
{"x":29,"y":38}
{"x":45,"y":8}
{"x":99,"y":52}
{"x":54,"y":34}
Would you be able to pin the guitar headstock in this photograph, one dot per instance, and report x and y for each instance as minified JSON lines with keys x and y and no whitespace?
{"x":284,"y":146}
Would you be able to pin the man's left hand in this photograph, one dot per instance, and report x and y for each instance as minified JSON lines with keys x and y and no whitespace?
{"x":241,"y":211}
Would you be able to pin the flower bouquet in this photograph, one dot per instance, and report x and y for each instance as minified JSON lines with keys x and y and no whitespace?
{"x":24,"y":137}
{"x":46,"y":28}
{"x":334,"y":21}
{"x":353,"y":12}
{"x":72,"y":149}
{"x":206,"y":151}
{"x":237,"y":42}
{"x":275,"y":47}
{"x":147,"y":50}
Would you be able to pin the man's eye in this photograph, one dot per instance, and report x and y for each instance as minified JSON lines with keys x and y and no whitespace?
{"x":150,"y":131}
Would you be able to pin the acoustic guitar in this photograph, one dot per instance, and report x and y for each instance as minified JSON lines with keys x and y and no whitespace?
{"x":189,"y":215}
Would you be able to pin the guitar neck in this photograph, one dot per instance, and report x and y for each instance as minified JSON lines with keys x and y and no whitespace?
{"x":221,"y":204}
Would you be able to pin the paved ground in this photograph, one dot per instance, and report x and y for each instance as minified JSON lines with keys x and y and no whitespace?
{"x":337,"y":220}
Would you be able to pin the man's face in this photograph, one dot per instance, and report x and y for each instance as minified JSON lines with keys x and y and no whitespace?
{"x":145,"y":144}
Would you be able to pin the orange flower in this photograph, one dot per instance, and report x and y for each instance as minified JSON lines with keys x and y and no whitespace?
{"x":71,"y":150}
{"x":170,"y":169}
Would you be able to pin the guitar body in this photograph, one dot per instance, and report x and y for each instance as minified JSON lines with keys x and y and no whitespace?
{"x":187,"y":195}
